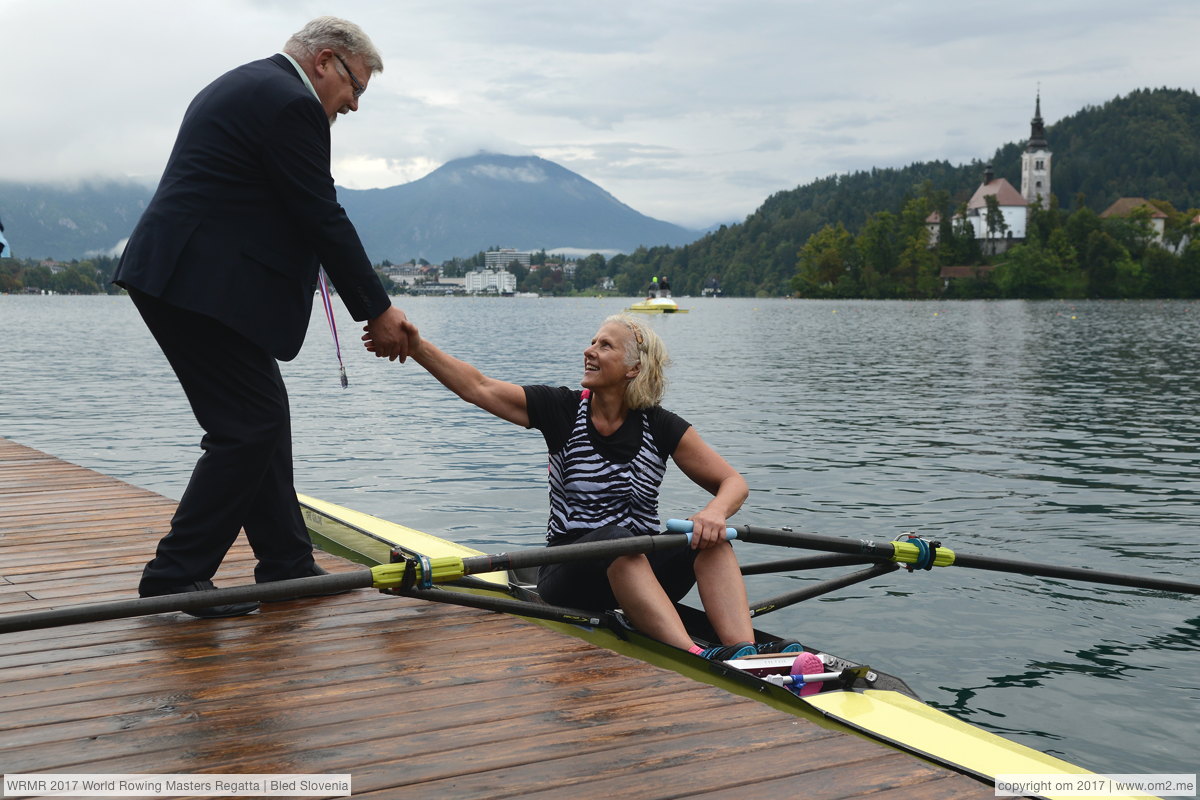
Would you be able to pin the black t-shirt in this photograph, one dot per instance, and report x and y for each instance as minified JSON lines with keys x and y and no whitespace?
{"x":552,"y":410}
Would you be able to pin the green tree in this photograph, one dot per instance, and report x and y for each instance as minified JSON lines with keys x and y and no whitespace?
{"x":10,"y":276}
{"x":1135,"y":232}
{"x":1180,"y":227}
{"x":1189,"y":270}
{"x":966,"y":249}
{"x":1080,"y":226}
{"x":75,"y":279}
{"x":1106,"y":263}
{"x":552,"y":281}
{"x":825,"y":260}
{"x":1042,"y":222}
{"x":1164,"y":273}
{"x":588,"y":272}
{"x":993,"y":218}
{"x":39,"y":277}
{"x":917,"y":269}
{"x":1032,"y":272}
{"x":879,"y":252}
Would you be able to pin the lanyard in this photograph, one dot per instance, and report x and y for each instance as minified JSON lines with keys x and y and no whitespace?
{"x":332,"y":326}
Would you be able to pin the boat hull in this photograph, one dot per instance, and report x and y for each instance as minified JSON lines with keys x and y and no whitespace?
{"x":657,"y":305}
{"x":882,"y":708}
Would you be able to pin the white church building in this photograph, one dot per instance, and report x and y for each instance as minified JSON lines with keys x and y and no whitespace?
{"x":1013,"y":206}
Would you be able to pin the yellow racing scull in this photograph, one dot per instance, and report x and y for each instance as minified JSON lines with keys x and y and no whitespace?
{"x":852,"y":697}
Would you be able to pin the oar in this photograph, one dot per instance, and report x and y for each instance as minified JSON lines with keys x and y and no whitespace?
{"x":805,"y":562}
{"x":916,"y":554}
{"x":416,"y":573}
{"x":508,"y":605}
{"x":818,"y":589}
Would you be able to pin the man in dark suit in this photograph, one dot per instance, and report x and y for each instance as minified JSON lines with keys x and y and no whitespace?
{"x":222,"y":267}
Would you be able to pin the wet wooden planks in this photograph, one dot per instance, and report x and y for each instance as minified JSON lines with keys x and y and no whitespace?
{"x":410,"y":698}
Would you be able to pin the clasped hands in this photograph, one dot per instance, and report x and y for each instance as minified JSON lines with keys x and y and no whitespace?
{"x":390,"y":335}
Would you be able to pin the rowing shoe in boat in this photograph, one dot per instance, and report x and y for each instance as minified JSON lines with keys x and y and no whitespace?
{"x":830,"y":690}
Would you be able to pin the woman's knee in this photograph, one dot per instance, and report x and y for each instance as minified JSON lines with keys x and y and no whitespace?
{"x":629,"y":566}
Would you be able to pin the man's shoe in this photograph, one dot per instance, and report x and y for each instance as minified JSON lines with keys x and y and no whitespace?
{"x":208,"y":612}
{"x":313,"y":572}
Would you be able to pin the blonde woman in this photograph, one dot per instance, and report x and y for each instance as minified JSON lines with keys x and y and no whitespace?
{"x":608,"y":445}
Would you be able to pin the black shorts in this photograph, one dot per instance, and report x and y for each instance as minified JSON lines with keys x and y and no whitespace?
{"x":584,"y":584}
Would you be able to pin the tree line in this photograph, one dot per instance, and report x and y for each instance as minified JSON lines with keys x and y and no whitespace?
{"x":1146,"y":144}
{"x":87,"y":276}
{"x":1074,"y":254}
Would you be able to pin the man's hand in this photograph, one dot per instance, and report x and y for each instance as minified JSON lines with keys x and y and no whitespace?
{"x":386,"y":336}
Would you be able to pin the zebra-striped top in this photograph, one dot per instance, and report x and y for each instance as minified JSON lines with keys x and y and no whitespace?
{"x":589,"y":488}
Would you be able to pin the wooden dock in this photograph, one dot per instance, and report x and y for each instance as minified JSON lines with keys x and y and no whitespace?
{"x":411,"y":699}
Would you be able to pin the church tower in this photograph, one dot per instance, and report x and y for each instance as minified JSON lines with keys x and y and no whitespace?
{"x":1035,"y":161}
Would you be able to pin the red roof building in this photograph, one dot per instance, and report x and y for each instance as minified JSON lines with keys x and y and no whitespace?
{"x":1012,"y":206}
{"x":1125,"y":206}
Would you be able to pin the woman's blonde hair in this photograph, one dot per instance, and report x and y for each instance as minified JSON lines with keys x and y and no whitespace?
{"x":644,"y":345}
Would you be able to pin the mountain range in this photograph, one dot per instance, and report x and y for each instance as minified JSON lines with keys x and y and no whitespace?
{"x":458,"y":210}
{"x":490,"y":200}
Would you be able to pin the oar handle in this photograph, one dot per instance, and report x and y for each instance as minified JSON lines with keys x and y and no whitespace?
{"x":685,"y":526}
{"x":187,"y":601}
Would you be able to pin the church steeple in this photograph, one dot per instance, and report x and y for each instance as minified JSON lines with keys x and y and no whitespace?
{"x":1035,"y":161}
{"x":1037,"y":129}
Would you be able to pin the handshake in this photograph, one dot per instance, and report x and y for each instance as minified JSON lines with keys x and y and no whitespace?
{"x":390,"y":335}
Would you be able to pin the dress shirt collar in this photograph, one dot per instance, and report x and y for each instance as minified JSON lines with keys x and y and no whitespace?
{"x":303,"y":75}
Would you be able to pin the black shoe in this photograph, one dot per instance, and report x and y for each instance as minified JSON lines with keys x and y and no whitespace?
{"x":779,"y":646}
{"x":312,"y":572}
{"x":208,"y":612}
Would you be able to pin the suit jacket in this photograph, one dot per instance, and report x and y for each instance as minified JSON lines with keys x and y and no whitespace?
{"x":246,"y":211}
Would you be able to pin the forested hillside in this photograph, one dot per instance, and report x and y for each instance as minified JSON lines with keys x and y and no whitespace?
{"x":1145,"y":144}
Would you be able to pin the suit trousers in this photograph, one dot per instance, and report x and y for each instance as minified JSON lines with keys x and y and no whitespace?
{"x":243,"y":479}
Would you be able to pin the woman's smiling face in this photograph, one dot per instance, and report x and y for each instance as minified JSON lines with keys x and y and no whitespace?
{"x":605,"y":359}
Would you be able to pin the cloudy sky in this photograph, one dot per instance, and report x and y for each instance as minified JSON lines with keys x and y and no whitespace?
{"x":692,"y":112}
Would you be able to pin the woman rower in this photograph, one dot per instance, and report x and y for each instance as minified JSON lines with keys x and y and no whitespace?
{"x":608,"y":447}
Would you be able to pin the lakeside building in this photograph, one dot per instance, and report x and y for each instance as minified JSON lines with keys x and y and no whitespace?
{"x":1126,"y":206}
{"x":499,"y":259}
{"x":1012,"y":206}
{"x":488,"y":281}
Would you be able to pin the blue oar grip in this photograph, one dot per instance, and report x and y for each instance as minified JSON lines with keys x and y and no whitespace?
{"x":685,"y":526}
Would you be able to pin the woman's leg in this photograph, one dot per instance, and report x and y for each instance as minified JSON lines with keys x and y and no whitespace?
{"x":723,"y":594}
{"x":644,"y":601}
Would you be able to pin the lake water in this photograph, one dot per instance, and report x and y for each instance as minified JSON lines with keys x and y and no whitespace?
{"x":1057,"y":431}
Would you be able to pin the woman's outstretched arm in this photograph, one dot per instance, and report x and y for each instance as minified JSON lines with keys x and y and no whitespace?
{"x":505,"y":400}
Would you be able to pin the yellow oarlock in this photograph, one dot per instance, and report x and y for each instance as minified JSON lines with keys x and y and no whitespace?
{"x":906,"y":553}
{"x":392,"y":576}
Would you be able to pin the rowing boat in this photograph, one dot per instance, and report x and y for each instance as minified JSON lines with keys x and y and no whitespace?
{"x":657,"y":305}
{"x":848,"y":696}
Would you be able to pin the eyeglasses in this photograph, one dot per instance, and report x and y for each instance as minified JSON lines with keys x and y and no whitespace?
{"x":359,"y":88}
